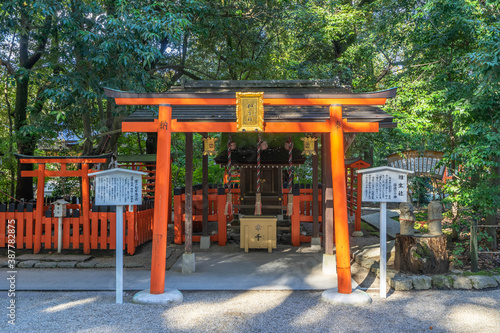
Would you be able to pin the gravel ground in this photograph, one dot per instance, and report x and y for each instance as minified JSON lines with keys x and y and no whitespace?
{"x":252,"y":311}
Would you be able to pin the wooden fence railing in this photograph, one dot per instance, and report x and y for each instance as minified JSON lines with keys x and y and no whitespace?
{"x":217,"y":197}
{"x":100,"y":229}
{"x":137,"y":226}
{"x":303,"y":213}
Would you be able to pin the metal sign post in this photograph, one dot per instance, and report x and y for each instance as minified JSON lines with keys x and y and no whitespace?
{"x":119,"y":254}
{"x":118,"y":187}
{"x":384,"y":184}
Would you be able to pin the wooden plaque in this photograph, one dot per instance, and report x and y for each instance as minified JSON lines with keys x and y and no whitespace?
{"x":250,"y":111}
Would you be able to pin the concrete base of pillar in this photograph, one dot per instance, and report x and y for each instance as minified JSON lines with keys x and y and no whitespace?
{"x":188,"y":263}
{"x":315,"y":243}
{"x":329,"y":264}
{"x":357,"y":234}
{"x":170,"y":296}
{"x":356,"y":298}
{"x":205,"y":242}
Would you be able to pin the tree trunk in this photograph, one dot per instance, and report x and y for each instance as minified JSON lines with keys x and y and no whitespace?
{"x":368,"y":155}
{"x":492,"y":218}
{"x":454,"y":205}
{"x":421,"y":255}
{"x":151,"y":142}
{"x":87,"y":134}
{"x":26,"y":144}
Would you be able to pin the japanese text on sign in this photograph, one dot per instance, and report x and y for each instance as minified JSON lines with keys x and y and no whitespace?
{"x":384,"y":186}
{"x":118,"y":190}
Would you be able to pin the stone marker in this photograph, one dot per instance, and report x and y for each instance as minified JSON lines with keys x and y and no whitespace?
{"x":407,"y":219}
{"x":434,"y":216}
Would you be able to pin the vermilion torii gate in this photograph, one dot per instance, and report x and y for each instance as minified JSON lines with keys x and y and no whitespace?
{"x":333,"y":124}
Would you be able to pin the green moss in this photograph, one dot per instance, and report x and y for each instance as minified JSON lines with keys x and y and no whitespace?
{"x":370,"y":229}
{"x":483,"y":273}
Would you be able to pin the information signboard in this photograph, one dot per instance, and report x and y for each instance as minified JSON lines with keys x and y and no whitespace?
{"x":384,"y":184}
{"x":387,"y":186}
{"x":118,"y":187}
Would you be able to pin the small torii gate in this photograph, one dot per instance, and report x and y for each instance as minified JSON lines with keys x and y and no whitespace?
{"x":366,"y":119}
{"x":42,"y":172}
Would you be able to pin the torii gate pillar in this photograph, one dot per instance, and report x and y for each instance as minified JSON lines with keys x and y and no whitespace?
{"x":339,"y":201}
{"x":162,"y":195}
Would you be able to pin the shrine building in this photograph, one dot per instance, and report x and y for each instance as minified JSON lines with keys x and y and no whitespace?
{"x":270,"y":116}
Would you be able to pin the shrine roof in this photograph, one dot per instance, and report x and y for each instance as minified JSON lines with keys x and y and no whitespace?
{"x":273,"y":89}
{"x":200,"y":89}
{"x":272,"y":113}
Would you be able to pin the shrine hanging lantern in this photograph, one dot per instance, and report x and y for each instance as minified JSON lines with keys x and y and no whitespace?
{"x":209,"y":146}
{"x":309,"y":145}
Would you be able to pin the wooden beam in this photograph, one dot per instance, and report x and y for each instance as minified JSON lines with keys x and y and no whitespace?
{"x":315,"y":191}
{"x":140,"y":126}
{"x":359,"y":127}
{"x":195,"y":126}
{"x":85,"y":208}
{"x":205,"y":193}
{"x":324,"y":101}
{"x":324,"y":149}
{"x":52,"y":173}
{"x":340,"y":202}
{"x":269,"y":127}
{"x":267,"y":101}
{"x":221,"y":217}
{"x":189,"y":194}
{"x":169,"y":200}
{"x":62,"y":160}
{"x":175,"y":101}
{"x":39,"y":208}
{"x":159,"y":252}
{"x":327,"y":197}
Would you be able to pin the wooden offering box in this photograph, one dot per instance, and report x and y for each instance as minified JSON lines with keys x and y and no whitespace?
{"x":258,"y":232}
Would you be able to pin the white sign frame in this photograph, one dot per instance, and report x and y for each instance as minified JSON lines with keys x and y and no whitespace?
{"x":380,"y":179}
{"x":118,"y":187}
{"x":118,"y":199}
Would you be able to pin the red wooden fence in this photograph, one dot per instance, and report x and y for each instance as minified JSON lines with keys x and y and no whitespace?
{"x":137,"y":226}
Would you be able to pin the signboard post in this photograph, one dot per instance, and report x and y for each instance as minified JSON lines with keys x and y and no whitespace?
{"x":118,"y":187}
{"x":384,"y":184}
{"x":59,"y":212}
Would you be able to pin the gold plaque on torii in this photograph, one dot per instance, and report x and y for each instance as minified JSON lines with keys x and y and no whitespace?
{"x":250,"y":111}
